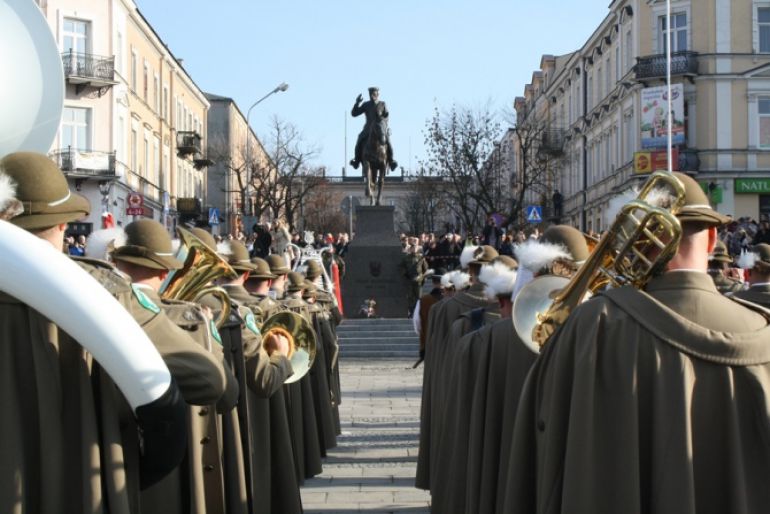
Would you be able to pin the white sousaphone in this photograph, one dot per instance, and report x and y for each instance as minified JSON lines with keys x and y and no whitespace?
{"x":33,"y":93}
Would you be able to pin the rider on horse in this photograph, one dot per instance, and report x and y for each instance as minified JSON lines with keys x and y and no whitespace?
{"x":375,"y":111}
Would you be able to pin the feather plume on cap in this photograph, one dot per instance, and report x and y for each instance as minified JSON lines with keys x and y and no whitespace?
{"x":460,"y":280}
{"x":535,"y":255}
{"x":658,"y":197}
{"x":747,"y":260}
{"x":467,"y":256}
{"x":100,"y":243}
{"x":9,"y":205}
{"x":499,"y":280}
{"x":446,"y":280}
{"x":175,"y":244}
{"x":225,"y":249}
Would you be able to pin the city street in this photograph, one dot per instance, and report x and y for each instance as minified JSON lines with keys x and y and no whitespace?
{"x":373,"y":467}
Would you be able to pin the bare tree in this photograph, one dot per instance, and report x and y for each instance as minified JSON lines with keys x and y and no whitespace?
{"x":282,"y":185}
{"x":322,"y":213}
{"x":424,"y":204}
{"x":460,"y":143}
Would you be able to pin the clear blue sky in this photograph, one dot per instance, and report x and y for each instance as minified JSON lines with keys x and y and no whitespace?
{"x":421,"y":54}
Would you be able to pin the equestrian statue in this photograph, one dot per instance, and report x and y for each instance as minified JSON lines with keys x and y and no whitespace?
{"x":373,"y":149}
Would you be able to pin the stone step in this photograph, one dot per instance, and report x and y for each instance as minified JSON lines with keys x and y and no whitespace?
{"x":375,"y":333}
{"x":379,"y":355}
{"x":381,"y":346}
{"x":374,"y":321}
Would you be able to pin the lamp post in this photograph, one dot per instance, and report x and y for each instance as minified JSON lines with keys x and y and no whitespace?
{"x":246,"y":202}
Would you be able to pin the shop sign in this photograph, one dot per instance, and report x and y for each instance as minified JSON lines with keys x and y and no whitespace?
{"x":752,"y":185}
{"x":647,"y":162}
{"x":135,"y":203}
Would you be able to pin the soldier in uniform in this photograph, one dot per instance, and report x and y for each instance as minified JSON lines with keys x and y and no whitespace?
{"x":721,"y":270}
{"x":413,"y":268}
{"x":273,"y":482}
{"x":69,"y":440}
{"x":278,"y":268}
{"x":422,"y":308}
{"x":759,"y":278}
{"x":198,"y":484}
{"x":375,"y":110}
{"x":650,"y":401}
{"x":440,"y":319}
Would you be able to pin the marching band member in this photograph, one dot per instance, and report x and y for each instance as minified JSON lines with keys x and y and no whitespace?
{"x":759,"y":277}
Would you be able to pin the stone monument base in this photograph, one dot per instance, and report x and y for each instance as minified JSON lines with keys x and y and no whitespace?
{"x":372,"y":265}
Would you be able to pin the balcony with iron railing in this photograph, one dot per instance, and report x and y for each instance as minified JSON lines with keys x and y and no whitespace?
{"x":552,"y":141}
{"x":78,"y":163}
{"x":188,"y":142}
{"x":654,"y":66}
{"x":91,"y":70}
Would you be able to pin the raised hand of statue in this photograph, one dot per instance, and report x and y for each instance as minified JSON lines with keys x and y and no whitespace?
{"x":359,"y":99}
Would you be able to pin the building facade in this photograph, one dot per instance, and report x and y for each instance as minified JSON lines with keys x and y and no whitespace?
{"x":606,"y":105}
{"x":133,"y":130}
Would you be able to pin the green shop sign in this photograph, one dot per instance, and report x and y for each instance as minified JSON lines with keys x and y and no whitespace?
{"x":752,"y":185}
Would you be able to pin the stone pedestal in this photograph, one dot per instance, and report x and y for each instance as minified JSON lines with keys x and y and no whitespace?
{"x":372,"y":265}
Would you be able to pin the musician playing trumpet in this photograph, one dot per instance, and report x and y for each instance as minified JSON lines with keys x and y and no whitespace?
{"x":650,"y":400}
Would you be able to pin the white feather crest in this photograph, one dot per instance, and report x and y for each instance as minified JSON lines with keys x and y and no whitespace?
{"x":501,"y":283}
{"x":175,"y":244}
{"x":658,"y":197}
{"x":9,"y":205}
{"x":224,"y":248}
{"x":446,"y":280}
{"x":460,"y":280}
{"x":747,"y":260}
{"x":535,"y":255}
{"x":100,"y":242}
{"x":467,"y":256}
{"x":523,"y":277}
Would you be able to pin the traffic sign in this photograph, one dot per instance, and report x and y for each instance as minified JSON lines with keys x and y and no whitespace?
{"x":534,"y":213}
{"x":213,"y":216}
{"x":135,"y":204}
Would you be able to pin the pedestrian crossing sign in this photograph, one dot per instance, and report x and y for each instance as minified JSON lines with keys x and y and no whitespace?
{"x":534,"y":213}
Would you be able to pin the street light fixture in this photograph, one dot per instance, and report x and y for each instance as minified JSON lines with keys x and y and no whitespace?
{"x":283,"y":86}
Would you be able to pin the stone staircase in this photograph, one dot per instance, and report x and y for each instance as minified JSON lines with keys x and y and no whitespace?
{"x":378,"y":338}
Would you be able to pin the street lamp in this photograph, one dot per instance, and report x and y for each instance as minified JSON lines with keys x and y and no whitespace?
{"x":283,"y":86}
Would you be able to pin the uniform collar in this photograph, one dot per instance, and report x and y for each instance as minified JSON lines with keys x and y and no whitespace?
{"x":682,"y":279}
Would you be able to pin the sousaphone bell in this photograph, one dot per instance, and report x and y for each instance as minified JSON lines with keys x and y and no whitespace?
{"x":302,"y":340}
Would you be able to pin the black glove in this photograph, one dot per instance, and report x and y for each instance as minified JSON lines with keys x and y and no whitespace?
{"x":359,"y":99}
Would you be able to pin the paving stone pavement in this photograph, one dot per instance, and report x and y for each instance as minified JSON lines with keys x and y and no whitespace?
{"x":373,"y":467}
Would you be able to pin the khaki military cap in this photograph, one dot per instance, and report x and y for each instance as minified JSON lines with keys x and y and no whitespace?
{"x":261,"y":269}
{"x":296,"y":282}
{"x":570,"y":238}
{"x":277,"y":264}
{"x":762,"y":251}
{"x":206,"y":237}
{"x":309,"y":290}
{"x":237,"y":256}
{"x":510,"y":262}
{"x":720,"y":253}
{"x":149,"y":245}
{"x":313,"y":270}
{"x":43,"y":191}
{"x":696,"y":204}
{"x":484,"y":255}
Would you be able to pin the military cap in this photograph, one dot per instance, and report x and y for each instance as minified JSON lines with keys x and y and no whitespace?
{"x":309,"y":289}
{"x":313,"y":270}
{"x":206,"y":237}
{"x":236,"y":255}
{"x":696,"y":204}
{"x":762,"y":252}
{"x":720,"y":253}
{"x":147,"y":244}
{"x":296,"y":282}
{"x":373,"y":89}
{"x":484,"y":255}
{"x":43,"y":191}
{"x":277,"y":264}
{"x":510,"y":262}
{"x":261,"y":269}
{"x":570,"y":238}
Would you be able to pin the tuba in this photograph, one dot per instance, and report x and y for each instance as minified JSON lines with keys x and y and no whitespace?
{"x":302,"y":340}
{"x":202,"y":265}
{"x":641,"y":240}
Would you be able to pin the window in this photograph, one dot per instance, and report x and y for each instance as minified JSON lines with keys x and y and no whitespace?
{"x":75,"y":34}
{"x":629,"y":51}
{"x":165,"y":102}
{"x":156,"y":94}
{"x":119,"y":52}
{"x":678,"y":32}
{"x":133,"y":70}
{"x":145,"y":170}
{"x":120,"y":144}
{"x":134,"y":150}
{"x":618,"y":73}
{"x":146,"y":80}
{"x":75,"y":131}
{"x":763,"y":28}
{"x":589,"y":93}
{"x":764,"y":121}
{"x":599,"y":91}
{"x":156,"y":161}
{"x":607,"y":77}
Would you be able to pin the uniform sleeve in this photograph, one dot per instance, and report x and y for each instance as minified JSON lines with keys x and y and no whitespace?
{"x":229,"y":398}
{"x":198,"y":373}
{"x":266,"y":374}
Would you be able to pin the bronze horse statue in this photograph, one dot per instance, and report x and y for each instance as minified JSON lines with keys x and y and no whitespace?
{"x":374,"y":162}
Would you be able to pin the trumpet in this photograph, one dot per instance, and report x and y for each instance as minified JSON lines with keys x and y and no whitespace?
{"x":641,"y":240}
{"x":202,"y":265}
{"x":302,"y":341}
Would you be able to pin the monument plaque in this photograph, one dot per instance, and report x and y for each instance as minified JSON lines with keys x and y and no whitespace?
{"x":372,"y":265}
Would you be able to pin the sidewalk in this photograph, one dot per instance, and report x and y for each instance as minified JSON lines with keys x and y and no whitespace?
{"x":372,"y":469}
